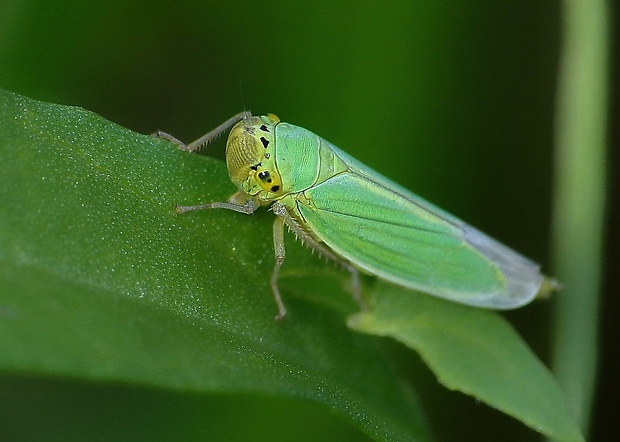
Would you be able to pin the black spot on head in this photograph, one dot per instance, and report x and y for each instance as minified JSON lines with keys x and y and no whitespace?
{"x":275,"y":188}
{"x":265,"y":142}
{"x":255,"y":167}
{"x":264,"y":128}
{"x":264,"y":176}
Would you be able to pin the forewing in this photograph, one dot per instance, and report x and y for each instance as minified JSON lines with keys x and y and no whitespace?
{"x":384,"y":231}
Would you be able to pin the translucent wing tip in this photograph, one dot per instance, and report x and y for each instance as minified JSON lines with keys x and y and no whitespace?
{"x":524,"y":282}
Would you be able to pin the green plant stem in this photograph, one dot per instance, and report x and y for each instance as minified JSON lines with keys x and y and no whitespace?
{"x":579,"y":210}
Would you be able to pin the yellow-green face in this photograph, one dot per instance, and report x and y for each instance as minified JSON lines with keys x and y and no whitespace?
{"x":250,"y":157}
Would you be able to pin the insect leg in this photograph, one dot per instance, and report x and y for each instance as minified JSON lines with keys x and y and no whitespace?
{"x":280,"y":252}
{"x":205,"y":139}
{"x":239,"y":202}
{"x":300,"y":233}
{"x":357,"y":287}
{"x":247,"y":208}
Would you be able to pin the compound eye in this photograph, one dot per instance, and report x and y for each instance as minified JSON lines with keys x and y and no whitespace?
{"x":269,"y":181}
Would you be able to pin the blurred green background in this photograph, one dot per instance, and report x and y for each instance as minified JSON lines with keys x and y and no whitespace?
{"x":454,"y":100}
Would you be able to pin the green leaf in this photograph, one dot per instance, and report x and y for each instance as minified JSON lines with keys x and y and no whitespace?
{"x":476,"y":352}
{"x":100,"y":280}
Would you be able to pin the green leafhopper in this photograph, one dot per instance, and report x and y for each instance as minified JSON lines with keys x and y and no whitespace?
{"x":362,"y":220}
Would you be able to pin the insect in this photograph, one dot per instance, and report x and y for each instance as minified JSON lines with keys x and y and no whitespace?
{"x":362,"y":220}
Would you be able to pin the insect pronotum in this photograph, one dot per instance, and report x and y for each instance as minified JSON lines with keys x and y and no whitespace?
{"x":362,"y":220}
